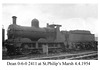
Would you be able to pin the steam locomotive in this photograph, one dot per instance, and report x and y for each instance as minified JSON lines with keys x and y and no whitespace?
{"x":24,"y":40}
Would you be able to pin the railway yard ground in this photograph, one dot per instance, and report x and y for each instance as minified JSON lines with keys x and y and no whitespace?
{"x":70,"y":55}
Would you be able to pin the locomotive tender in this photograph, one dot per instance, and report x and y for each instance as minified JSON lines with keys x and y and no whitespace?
{"x":24,"y":40}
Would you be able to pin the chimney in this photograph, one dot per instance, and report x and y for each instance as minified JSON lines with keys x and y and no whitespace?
{"x":47,"y":24}
{"x":14,"y":19}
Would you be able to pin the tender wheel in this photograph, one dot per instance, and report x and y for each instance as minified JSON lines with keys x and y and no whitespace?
{"x":25,"y":49}
{"x":78,"y":46}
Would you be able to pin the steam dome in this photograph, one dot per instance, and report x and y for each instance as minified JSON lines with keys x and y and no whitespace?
{"x":35,"y":23}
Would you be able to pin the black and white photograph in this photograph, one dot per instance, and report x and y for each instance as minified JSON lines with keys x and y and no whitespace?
{"x":49,"y":34}
{"x":49,"y":31}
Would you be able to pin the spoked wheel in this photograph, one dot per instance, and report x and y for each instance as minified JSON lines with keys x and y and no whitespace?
{"x":25,"y":49}
{"x":77,"y":47}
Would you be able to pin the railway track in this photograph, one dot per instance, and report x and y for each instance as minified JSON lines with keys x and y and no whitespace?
{"x":80,"y":56}
{"x":90,"y":55}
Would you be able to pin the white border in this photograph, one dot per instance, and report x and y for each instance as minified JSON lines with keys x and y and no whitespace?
{"x":3,"y":63}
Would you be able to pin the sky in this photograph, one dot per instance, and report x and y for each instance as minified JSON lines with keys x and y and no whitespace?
{"x":70,"y":16}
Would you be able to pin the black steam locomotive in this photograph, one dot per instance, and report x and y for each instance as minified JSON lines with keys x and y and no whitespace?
{"x":25,"y":40}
